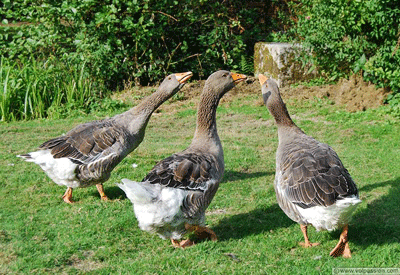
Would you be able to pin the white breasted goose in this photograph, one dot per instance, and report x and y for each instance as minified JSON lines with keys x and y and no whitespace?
{"x":88,"y":153}
{"x":312,"y":186}
{"x":173,"y":197}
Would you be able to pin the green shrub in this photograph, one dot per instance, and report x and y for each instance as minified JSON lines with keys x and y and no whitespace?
{"x":115,"y":42}
{"x":348,"y":36}
{"x":139,"y":40}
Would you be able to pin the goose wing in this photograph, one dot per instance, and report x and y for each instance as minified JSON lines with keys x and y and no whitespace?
{"x":193,"y":172}
{"x":188,"y":171}
{"x":85,"y":143}
{"x":313,"y":175}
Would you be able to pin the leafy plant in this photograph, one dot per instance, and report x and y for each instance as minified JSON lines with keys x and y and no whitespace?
{"x":141,"y":41}
{"x":37,"y":89}
{"x":246,"y":65}
{"x":350,"y":36}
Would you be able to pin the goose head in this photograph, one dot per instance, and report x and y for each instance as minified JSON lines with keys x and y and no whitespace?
{"x":269,"y":88}
{"x":273,"y":100}
{"x":222,"y":81}
{"x":174,"y":82}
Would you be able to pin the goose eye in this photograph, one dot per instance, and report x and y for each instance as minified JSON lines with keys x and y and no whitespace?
{"x":224,"y":75}
{"x":169,"y":78}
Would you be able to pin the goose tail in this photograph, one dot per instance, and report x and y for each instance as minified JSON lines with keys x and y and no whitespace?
{"x":138,"y":192}
{"x":26,"y":157}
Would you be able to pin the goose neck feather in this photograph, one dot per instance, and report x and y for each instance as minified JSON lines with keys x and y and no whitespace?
{"x":278,"y":109}
{"x":136,"y":119}
{"x":206,"y":125}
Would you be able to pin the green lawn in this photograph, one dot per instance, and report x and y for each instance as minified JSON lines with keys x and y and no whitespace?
{"x":39,"y":233}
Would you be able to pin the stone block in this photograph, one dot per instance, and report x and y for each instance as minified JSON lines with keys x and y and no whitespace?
{"x":280,"y":61}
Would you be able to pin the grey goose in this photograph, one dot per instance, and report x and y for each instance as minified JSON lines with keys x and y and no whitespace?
{"x":88,"y":153}
{"x":172,"y":199}
{"x":312,"y":186}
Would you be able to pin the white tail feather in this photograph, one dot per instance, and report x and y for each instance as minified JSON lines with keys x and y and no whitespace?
{"x":26,"y":157}
{"x":139,"y":192}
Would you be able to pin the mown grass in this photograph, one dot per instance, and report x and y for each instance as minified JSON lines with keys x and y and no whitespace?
{"x":41,"y":234}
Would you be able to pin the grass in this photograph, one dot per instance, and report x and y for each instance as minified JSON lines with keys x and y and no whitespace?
{"x":41,"y":234}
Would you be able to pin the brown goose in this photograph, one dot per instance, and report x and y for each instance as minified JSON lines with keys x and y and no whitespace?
{"x":173,"y":197}
{"x":87,"y":154}
{"x":312,"y":186}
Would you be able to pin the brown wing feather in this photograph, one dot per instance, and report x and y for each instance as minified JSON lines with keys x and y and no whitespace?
{"x":98,"y":171}
{"x":314,"y":175}
{"x":192,"y":172}
{"x":196,"y":203}
{"x":85,"y":142}
{"x":186,"y":171}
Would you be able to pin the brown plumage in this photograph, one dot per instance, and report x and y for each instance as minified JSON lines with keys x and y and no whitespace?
{"x":173,"y":197}
{"x":312,"y":186}
{"x":87,"y":154}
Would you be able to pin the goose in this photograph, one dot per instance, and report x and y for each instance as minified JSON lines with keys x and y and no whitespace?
{"x":88,"y":153}
{"x":311,"y":184}
{"x":171,"y":200}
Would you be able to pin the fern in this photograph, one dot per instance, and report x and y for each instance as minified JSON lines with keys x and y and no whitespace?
{"x":246,"y":65}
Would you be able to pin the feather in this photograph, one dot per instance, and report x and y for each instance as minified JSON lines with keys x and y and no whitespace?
{"x":190,"y":171}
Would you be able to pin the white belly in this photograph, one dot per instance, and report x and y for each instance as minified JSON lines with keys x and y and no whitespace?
{"x":163,"y":216}
{"x":60,"y":170}
{"x":331,"y":217}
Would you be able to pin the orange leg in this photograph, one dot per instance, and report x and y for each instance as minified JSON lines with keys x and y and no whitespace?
{"x":103,"y":195}
{"x":307,"y":242}
{"x":202,"y":232}
{"x":68,"y":196}
{"x":342,"y":247}
{"x":181,"y":244}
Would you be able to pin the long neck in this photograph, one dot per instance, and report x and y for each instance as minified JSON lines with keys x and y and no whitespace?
{"x":278,"y":109}
{"x":149,"y":104}
{"x":206,"y":126}
{"x":206,"y":137}
{"x":136,"y":119}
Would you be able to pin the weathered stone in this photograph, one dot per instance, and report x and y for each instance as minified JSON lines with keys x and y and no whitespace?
{"x":280,"y":61}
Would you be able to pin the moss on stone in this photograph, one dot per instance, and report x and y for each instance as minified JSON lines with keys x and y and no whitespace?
{"x":291,"y":68}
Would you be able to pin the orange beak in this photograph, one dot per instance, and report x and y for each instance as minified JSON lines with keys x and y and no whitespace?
{"x":238,"y":77}
{"x":183,"y":77}
{"x":262,"y":79}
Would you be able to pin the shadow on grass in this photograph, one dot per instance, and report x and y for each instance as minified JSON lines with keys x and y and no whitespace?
{"x":235,"y":175}
{"x":252,"y":223}
{"x":379,"y":223}
{"x":112,"y":192}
